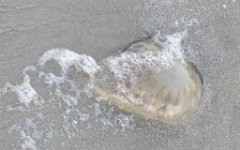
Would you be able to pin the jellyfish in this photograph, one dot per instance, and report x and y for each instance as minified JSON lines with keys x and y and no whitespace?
{"x":151,"y":78}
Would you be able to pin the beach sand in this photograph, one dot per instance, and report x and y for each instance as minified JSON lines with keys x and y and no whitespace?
{"x":102,"y":28}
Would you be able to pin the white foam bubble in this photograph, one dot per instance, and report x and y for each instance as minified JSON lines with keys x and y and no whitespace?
{"x":29,"y":134}
{"x":28,"y":143}
{"x":66,"y":58}
{"x":25,"y":92}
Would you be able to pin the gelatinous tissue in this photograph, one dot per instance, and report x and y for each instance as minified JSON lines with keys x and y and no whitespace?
{"x":151,"y":78}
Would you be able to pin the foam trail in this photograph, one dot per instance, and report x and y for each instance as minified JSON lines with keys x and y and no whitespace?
{"x":62,"y":105}
{"x":66,"y":58}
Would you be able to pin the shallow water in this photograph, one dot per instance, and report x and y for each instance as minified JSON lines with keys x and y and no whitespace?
{"x":57,"y":98}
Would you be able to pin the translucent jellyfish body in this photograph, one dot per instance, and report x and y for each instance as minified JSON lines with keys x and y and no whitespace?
{"x":151,"y":78}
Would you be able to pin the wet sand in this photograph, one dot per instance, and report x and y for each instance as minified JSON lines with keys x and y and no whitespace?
{"x":102,"y":28}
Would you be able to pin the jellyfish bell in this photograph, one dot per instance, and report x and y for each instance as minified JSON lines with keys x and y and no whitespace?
{"x":151,"y":78}
{"x":168,"y":95}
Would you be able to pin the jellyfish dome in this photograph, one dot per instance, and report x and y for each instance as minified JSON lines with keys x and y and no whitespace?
{"x":151,"y":78}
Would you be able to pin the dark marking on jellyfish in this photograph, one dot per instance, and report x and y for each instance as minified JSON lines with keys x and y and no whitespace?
{"x":158,"y":45}
{"x":135,"y":42}
{"x":139,"y":75}
{"x":197,"y":71}
{"x":163,"y":108}
{"x":136,"y":95}
{"x":128,"y":84}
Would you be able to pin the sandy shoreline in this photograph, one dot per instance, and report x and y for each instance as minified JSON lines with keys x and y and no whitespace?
{"x":100,"y":29}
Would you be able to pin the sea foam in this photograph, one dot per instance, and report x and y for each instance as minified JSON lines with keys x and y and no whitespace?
{"x":62,"y":104}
